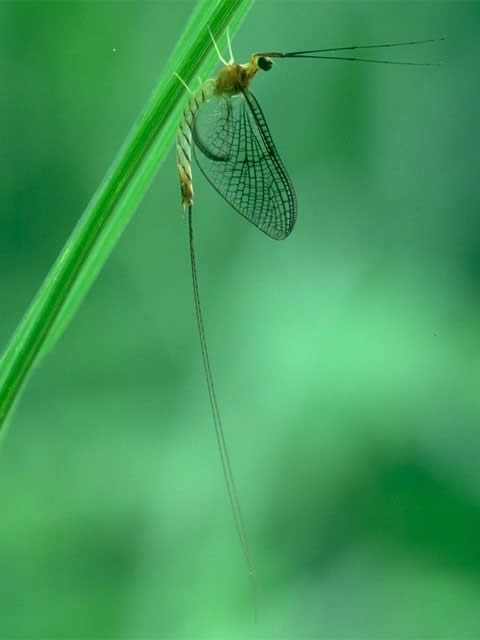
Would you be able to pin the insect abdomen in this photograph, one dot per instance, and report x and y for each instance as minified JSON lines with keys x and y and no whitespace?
{"x":184,"y":140}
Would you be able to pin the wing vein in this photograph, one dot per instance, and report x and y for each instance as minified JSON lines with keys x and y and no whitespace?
{"x":235,"y":151}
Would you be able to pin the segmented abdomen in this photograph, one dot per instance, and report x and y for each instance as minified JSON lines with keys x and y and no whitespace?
{"x":184,"y":139}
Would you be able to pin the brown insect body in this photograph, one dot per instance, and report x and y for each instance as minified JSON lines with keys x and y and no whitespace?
{"x":249,"y":174}
{"x":234,"y":78}
{"x":231,"y":80}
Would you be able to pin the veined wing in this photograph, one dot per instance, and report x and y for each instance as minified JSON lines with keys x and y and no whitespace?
{"x":235,"y":151}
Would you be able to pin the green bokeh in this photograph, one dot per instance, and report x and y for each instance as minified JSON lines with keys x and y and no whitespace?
{"x":346,"y":358}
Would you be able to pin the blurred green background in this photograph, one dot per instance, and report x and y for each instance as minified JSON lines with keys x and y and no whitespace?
{"x":346,"y":358}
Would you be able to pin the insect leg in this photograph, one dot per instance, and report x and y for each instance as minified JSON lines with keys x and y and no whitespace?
{"x":219,"y":54}
{"x":184,"y":83}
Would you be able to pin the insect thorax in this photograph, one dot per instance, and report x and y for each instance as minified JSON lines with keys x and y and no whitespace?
{"x":234,"y":78}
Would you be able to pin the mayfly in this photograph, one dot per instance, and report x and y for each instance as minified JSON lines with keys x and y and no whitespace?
{"x":233,"y":147}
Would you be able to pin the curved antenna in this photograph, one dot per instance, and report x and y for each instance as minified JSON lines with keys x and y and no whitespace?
{"x":313,"y":53}
{"x":408,"y":64}
{"x":292,"y":54}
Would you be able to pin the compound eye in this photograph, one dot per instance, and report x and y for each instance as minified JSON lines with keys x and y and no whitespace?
{"x":264,"y":63}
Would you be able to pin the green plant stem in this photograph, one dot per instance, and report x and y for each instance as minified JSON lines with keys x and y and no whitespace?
{"x":115,"y":201}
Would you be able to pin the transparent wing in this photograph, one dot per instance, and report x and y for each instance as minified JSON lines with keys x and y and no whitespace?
{"x":235,"y":151}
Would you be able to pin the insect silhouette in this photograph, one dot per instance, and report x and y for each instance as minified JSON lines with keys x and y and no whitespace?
{"x":223,"y":124}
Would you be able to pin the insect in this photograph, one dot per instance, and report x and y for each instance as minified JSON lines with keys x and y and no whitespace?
{"x":225,"y":127}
